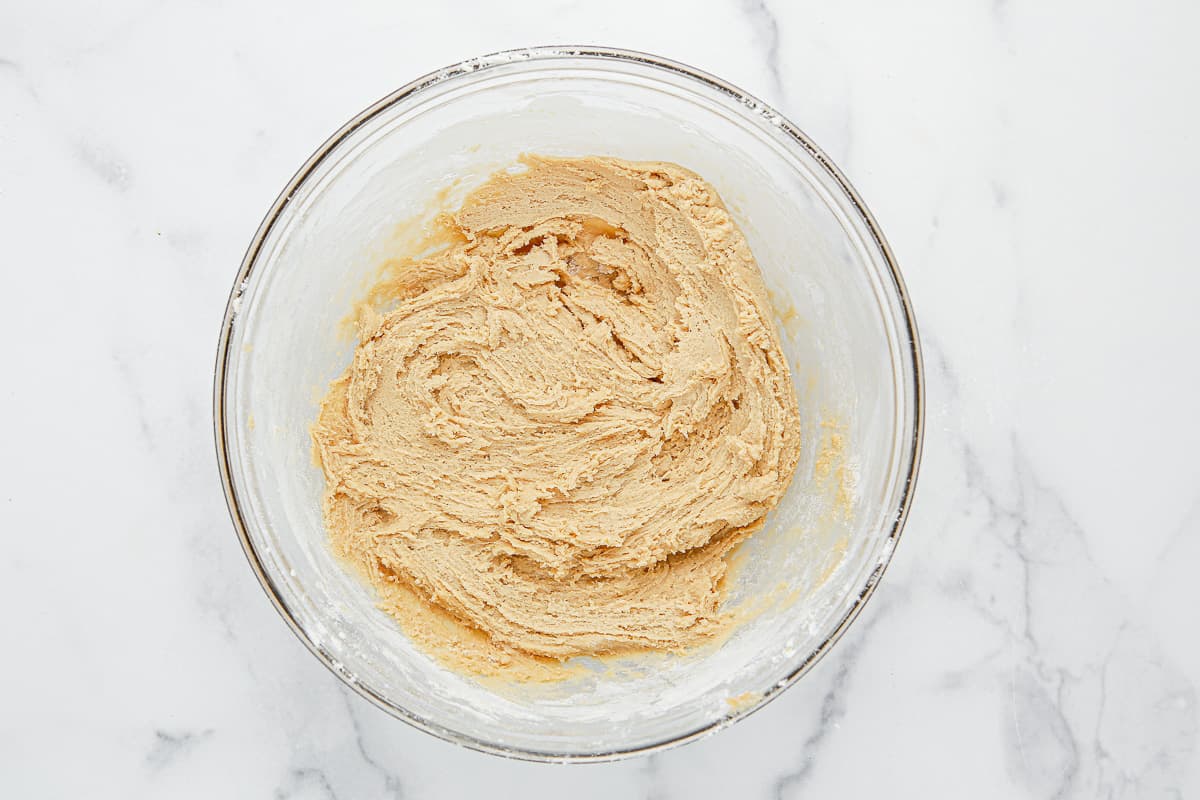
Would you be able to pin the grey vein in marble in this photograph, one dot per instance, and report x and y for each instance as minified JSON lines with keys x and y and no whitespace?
{"x":1040,"y":740}
{"x":301,"y":782}
{"x":392,"y":785}
{"x":833,"y":705}
{"x":106,"y":165}
{"x":16,"y":69}
{"x":766,"y":31}
{"x":169,"y":747}
{"x":651,"y":773}
{"x":1060,"y":658}
{"x":999,"y":194}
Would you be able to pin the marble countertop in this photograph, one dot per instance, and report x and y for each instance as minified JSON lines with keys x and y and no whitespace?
{"x":1035,"y":169}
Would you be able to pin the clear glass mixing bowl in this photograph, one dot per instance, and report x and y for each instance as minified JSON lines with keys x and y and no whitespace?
{"x":842,"y":310}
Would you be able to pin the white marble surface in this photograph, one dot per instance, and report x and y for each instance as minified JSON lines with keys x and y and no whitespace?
{"x":1035,"y":169}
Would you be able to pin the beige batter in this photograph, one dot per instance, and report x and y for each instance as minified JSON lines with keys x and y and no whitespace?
{"x":565,"y":421}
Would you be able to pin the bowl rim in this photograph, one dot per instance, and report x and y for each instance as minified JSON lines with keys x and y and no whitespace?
{"x":483,"y":63}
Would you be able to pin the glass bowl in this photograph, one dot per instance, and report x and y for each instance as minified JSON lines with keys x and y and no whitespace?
{"x":841,"y":308}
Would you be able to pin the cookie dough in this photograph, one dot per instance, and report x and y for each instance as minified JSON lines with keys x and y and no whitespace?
{"x":567,"y":418}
